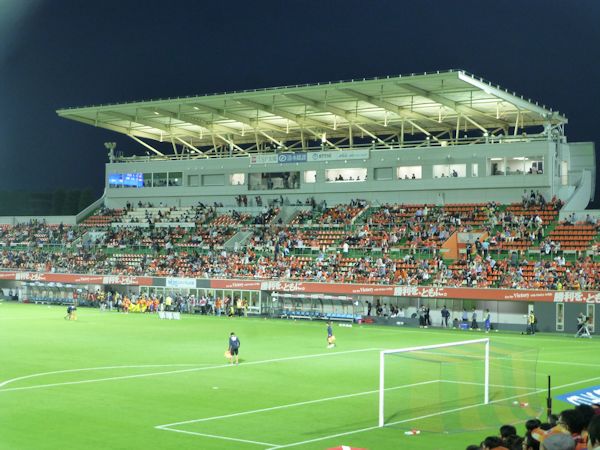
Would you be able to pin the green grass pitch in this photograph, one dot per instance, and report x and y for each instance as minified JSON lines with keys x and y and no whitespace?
{"x":118,"y":381}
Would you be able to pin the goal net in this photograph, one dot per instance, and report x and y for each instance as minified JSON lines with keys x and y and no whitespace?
{"x":458,"y":386}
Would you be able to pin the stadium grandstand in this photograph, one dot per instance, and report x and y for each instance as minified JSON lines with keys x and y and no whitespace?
{"x":359,"y":200}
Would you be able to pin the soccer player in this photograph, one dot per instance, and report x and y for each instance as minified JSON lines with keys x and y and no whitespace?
{"x":330,"y":336}
{"x":234,"y":346}
{"x":71,"y":313}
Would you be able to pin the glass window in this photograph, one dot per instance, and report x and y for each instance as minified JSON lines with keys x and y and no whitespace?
{"x":560,"y":317}
{"x":193,"y":180}
{"x":273,"y":180}
{"x":358,"y":174}
{"x":534,"y":165}
{"x":310,"y":176}
{"x":449,"y":171}
{"x":590,"y":313}
{"x":237,"y":179}
{"x":497,"y":166}
{"x":175,"y":178}
{"x":410,"y":172}
{"x":213,"y":180}
{"x":474,"y":170}
{"x":159,"y":179}
{"x":147,"y":180}
{"x":384,"y":173}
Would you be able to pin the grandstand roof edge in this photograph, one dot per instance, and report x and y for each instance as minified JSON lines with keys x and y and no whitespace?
{"x":435,"y":104}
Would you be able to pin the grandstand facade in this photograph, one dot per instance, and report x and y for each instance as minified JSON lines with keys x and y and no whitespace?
{"x":434,"y":189}
{"x":447,"y":137}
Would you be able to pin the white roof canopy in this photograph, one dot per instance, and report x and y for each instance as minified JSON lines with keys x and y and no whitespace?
{"x":383,"y":110}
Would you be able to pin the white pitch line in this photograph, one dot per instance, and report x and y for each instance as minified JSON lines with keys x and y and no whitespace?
{"x":87,"y":369}
{"x":221,"y":437}
{"x":295,"y":444}
{"x":194,"y":369}
{"x":289,"y":405}
{"x":491,"y":385}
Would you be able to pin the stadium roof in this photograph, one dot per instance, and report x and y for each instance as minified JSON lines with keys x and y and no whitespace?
{"x":438,"y":107}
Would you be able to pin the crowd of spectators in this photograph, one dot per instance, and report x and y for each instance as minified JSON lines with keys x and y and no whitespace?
{"x":390,"y":244}
{"x":573,"y":429}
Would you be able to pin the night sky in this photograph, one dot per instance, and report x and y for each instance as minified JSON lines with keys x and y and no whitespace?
{"x":63,"y":53}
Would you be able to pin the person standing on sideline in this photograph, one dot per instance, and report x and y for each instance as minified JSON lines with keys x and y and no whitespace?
{"x":234,"y":347}
{"x":474,"y":325}
{"x":487,"y":321}
{"x":465,"y":317}
{"x":330,"y":336}
{"x":445,"y":316}
{"x":531,"y":320}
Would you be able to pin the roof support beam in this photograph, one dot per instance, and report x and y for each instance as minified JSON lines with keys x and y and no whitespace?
{"x":149,"y":123}
{"x":252,"y":123}
{"x":184,"y":117}
{"x":187,"y":144}
{"x":323,"y":106}
{"x":388,"y":106}
{"x":338,"y":112}
{"x":232,"y":144}
{"x":444,"y":101}
{"x":119,"y":129}
{"x":302,"y":122}
{"x":149,"y":147}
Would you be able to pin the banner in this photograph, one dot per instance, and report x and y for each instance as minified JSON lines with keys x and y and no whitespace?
{"x":181,"y":283}
{"x":587,"y":396}
{"x":458,"y":293}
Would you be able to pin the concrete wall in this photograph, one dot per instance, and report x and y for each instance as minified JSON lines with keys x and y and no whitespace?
{"x":51,"y":220}
{"x":483,"y":188}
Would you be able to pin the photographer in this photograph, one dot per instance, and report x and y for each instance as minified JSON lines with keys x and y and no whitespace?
{"x":582,"y":320}
{"x":582,"y":326}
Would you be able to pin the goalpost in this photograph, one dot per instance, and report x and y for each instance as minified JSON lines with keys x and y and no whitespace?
{"x":430,"y":352}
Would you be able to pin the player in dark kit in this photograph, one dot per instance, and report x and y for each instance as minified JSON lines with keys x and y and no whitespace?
{"x":234,"y":346}
{"x":330,"y":336}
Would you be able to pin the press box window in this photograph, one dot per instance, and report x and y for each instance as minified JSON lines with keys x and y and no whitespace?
{"x":175,"y":178}
{"x":410,"y":172}
{"x":237,"y":179}
{"x":160,"y":179}
{"x":449,"y":170}
{"x":346,"y":175}
{"x":310,"y":176}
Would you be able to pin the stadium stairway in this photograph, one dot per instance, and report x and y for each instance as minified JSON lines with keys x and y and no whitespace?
{"x":240,"y":238}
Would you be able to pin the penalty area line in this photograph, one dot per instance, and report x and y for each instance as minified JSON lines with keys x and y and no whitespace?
{"x":216,"y":436}
{"x":449,"y":411}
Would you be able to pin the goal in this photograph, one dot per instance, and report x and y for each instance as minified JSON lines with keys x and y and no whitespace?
{"x":427,"y":380}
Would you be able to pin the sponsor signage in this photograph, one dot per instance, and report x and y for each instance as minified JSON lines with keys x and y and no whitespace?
{"x":587,"y":396}
{"x":285,"y":158}
{"x":576,"y":297}
{"x":338,"y":155}
{"x":181,"y":283}
{"x":236,"y":284}
{"x":519,"y":295}
{"x":302,"y":157}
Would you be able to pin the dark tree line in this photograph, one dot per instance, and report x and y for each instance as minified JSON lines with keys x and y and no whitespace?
{"x":60,"y":202}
